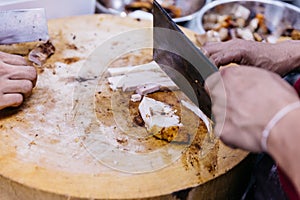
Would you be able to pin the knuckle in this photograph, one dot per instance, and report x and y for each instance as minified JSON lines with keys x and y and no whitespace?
{"x":2,"y":55}
{"x":4,"y":70}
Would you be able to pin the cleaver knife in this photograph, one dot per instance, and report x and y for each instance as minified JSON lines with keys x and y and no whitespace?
{"x":24,"y":25}
{"x":180,"y":59}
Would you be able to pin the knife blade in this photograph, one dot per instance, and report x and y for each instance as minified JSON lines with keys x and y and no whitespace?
{"x":24,"y":25}
{"x":180,"y":59}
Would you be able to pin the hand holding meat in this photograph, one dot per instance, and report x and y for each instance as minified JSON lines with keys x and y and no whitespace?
{"x":252,"y":97}
{"x":280,"y":58}
{"x":17,"y":80}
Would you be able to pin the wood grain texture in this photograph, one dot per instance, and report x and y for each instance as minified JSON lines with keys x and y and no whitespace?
{"x":46,"y":153}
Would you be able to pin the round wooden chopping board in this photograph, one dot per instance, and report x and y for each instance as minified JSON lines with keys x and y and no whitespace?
{"x":48,"y":151}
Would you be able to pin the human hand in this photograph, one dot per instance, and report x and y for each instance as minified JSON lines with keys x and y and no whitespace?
{"x":16,"y":80}
{"x":280,"y":58}
{"x":244,"y":100}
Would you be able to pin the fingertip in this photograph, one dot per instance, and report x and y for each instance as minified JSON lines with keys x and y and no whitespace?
{"x":12,"y":100}
{"x":27,"y":88}
{"x":18,"y":100}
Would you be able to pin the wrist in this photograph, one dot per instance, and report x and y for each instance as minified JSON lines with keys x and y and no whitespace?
{"x":283,"y":145}
{"x":283,"y":134}
{"x":284,"y":139}
{"x":274,"y":121}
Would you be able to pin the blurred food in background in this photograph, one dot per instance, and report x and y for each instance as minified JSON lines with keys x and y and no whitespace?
{"x":263,"y":21}
{"x":146,"y":5}
{"x":181,"y":11}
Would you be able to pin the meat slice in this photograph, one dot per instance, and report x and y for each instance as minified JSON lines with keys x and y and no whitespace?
{"x":136,"y":97}
{"x":135,"y":78}
{"x":41,"y":53}
{"x":148,"y":88}
{"x":156,"y":113}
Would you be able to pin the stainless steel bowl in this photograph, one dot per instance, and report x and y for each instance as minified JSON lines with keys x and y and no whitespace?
{"x":278,"y":15}
{"x":189,"y":8}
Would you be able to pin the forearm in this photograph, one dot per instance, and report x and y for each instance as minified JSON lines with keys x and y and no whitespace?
{"x":290,"y":55}
{"x":281,"y":58}
{"x":284,"y":147}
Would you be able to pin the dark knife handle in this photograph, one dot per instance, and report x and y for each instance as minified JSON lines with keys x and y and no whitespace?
{"x":293,"y":79}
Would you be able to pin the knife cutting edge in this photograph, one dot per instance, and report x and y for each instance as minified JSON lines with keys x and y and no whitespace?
{"x":24,"y":25}
{"x":180,"y":59}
